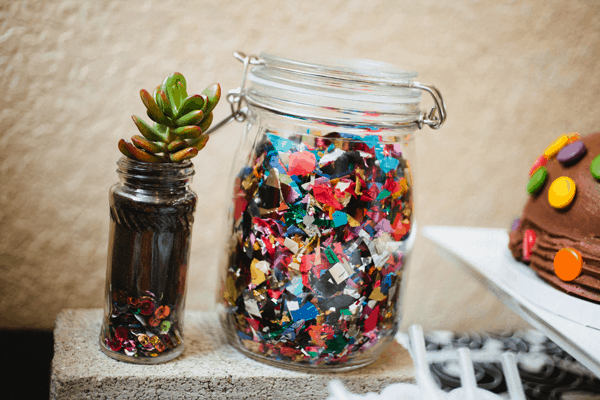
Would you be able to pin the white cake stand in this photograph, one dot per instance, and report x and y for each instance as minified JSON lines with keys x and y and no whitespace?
{"x":572,"y":323}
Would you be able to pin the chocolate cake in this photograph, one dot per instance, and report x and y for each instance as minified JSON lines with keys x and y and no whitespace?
{"x":563,"y":213}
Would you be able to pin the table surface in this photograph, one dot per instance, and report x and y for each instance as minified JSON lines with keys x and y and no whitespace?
{"x":208,"y":367}
{"x":483,"y":253}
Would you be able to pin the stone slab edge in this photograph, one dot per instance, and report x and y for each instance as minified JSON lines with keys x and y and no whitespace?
{"x":207,"y":369}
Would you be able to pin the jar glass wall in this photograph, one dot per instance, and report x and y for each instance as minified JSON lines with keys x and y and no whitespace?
{"x":322,"y":218}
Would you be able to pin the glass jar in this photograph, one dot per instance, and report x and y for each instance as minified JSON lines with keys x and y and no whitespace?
{"x":322,"y":218}
{"x":151,"y":216}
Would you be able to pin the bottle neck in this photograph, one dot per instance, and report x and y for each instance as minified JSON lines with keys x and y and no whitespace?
{"x":164,"y":177}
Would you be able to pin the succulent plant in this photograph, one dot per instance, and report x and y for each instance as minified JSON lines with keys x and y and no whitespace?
{"x":179,"y":122}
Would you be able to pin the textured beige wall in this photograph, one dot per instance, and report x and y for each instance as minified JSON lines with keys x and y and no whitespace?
{"x":514,"y":76}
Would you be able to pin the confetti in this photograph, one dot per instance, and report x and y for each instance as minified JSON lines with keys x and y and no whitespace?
{"x":311,"y":278}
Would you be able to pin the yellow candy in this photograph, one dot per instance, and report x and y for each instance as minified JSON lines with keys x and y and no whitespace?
{"x":561,"y":192}
{"x":555,"y":147}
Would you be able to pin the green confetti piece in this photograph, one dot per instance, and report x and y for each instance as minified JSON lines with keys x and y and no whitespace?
{"x":331,"y":256}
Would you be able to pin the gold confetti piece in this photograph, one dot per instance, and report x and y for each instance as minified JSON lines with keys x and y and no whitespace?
{"x":258,"y":276}
{"x":376,"y":294}
{"x":352,"y":222}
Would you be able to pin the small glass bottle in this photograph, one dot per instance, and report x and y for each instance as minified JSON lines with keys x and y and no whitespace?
{"x":322,"y":220}
{"x":151,"y":216}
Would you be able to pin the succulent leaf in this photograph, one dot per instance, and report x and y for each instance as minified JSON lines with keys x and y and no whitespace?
{"x":198,"y":143}
{"x":187,"y":132}
{"x":182,"y":93}
{"x":192,"y":103}
{"x":152,"y":147}
{"x":155,"y":93}
{"x":178,"y":145}
{"x":138,"y":154}
{"x":184,"y":154}
{"x":164,"y":103}
{"x":160,"y":128}
{"x":151,"y":105}
{"x":171,"y":87}
{"x":213,"y":92}
{"x":172,"y":80}
{"x":148,"y":131}
{"x":191,"y":118}
{"x":206,"y":122}
{"x":124,"y":149}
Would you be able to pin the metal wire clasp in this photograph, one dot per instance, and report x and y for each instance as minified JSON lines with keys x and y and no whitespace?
{"x":236,"y":97}
{"x":239,"y":111}
{"x":437,"y":115}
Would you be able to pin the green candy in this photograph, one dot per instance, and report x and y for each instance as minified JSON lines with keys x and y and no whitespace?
{"x":595,"y":168}
{"x":537,"y":180}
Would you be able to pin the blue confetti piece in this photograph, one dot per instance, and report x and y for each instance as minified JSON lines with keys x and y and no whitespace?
{"x":370,"y":230}
{"x":388,"y":164}
{"x":379,"y":152}
{"x":280,"y":143}
{"x":296,"y":286}
{"x":294,"y":230}
{"x":306,"y":312}
{"x":244,"y":172}
{"x":244,"y":336}
{"x":370,"y":140}
{"x":274,"y":163}
{"x":386,"y":283}
{"x":339,"y":218}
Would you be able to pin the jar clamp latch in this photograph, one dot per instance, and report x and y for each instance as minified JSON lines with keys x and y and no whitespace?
{"x":239,"y":111}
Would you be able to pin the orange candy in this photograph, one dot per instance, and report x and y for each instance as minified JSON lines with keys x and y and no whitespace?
{"x":568,"y":264}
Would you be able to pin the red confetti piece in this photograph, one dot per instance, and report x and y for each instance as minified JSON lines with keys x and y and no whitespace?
{"x":121,"y":333}
{"x":240,"y":207}
{"x":371,"y":321}
{"x":115,"y":344}
{"x":302,"y":163}
{"x":146,"y":307}
{"x":324,"y":195}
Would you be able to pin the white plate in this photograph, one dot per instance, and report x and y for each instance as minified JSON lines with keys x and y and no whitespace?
{"x":572,"y":323}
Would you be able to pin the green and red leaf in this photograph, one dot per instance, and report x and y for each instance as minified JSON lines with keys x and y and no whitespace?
{"x":191,"y":118}
{"x":178,"y":145}
{"x":206,"y":122}
{"x":213,"y":92}
{"x":133,"y":152}
{"x":152,"y":147}
{"x":153,"y":110}
{"x":149,"y":132}
{"x":198,"y":143}
{"x":192,"y":103}
{"x":187,"y":132}
{"x":184,"y":154}
{"x":164,"y":103}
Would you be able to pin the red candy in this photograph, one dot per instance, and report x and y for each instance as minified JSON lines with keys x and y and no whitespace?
{"x":528,"y":241}
{"x":540,"y":162}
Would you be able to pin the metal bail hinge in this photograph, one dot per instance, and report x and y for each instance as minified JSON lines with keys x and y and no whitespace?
{"x":437,"y":115}
{"x":236,"y":97}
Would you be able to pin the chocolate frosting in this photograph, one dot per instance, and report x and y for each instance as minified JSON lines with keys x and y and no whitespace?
{"x":577,"y":226}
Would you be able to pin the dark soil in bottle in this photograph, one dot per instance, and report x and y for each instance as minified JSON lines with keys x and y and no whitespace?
{"x":150,"y":238}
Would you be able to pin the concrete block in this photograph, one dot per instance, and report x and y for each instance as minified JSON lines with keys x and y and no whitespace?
{"x":207,"y":369}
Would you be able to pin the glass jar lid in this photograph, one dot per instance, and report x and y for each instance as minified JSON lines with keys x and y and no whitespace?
{"x":350,"y":92}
